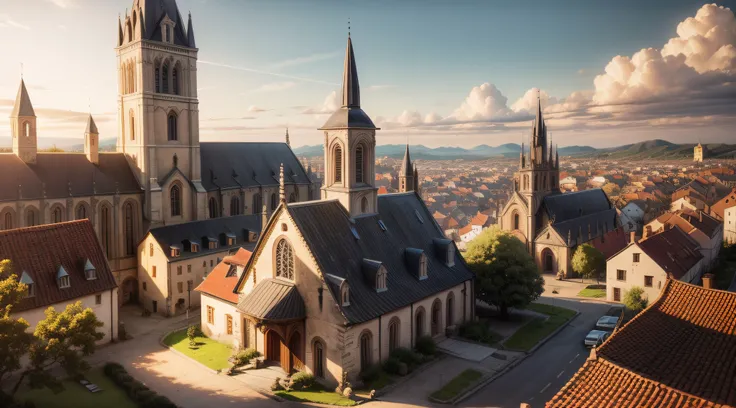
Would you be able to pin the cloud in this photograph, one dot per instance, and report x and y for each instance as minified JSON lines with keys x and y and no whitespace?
{"x":305,"y":60}
{"x":483,"y":102}
{"x":64,"y":3}
{"x":275,"y":87}
{"x":262,"y":72}
{"x":378,"y":87}
{"x":331,"y":103}
{"x":218,"y":119}
{"x":256,"y":109}
{"x":7,"y":22}
{"x":528,"y":102}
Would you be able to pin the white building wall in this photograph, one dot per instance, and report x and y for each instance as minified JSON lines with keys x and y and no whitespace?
{"x":217,"y":330}
{"x":729,"y":225}
{"x":635,"y":272}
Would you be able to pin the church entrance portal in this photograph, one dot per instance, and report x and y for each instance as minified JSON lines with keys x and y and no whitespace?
{"x":548,"y":261}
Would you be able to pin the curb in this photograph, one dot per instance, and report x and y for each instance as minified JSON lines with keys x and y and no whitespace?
{"x":161,"y":342}
{"x":483,"y":382}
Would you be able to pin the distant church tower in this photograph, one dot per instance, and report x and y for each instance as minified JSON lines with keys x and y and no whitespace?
{"x":158,"y":109}
{"x":23,"y":126}
{"x":350,"y":146}
{"x":539,"y":171}
{"x":408,"y":174}
{"x":699,"y":153}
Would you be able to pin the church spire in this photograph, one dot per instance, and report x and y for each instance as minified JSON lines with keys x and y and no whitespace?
{"x":190,"y":32}
{"x":557,"y":157}
{"x":405,"y":169}
{"x":120,"y":32}
{"x":350,"y":85}
{"x":23,"y":106}
{"x":288,"y":142}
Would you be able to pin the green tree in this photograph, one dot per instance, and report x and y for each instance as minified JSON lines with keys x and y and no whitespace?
{"x":506,"y":275}
{"x":634,"y":299}
{"x":588,"y":261}
{"x":14,"y":340}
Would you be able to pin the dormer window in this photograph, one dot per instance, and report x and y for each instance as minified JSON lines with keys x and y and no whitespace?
{"x":445,"y":251}
{"x":30,"y":286}
{"x":212,"y":243}
{"x":175,"y":251}
{"x":450,"y":255}
{"x":194,"y":247}
{"x":381,"y":280}
{"x":423,"y":267}
{"x":230,"y":239}
{"x":416,"y":262}
{"x":345,"y":294}
{"x":90,"y":272}
{"x":62,"y":278}
{"x":167,"y":30}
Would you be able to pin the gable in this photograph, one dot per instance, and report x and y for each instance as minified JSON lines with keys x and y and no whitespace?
{"x":518,"y":200}
{"x":549,"y":236}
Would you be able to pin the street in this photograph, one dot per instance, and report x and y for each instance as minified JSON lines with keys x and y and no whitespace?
{"x":542,"y":374}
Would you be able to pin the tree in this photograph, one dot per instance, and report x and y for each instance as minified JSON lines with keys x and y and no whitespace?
{"x":62,"y":338}
{"x":588,"y":261}
{"x":14,"y":340}
{"x":634,"y":300}
{"x":506,"y":275}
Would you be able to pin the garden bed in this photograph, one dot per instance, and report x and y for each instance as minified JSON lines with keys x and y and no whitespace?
{"x":317,"y":395}
{"x":211,"y":353}
{"x":593,"y":291}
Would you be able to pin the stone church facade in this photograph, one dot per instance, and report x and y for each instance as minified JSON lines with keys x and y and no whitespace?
{"x":160,"y":174}
{"x":552,"y":224}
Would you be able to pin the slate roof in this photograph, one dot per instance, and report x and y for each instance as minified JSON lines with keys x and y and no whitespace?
{"x":218,"y":283}
{"x":673,"y":250}
{"x":679,"y":352}
{"x":40,"y":251}
{"x":61,"y":172}
{"x":339,"y":253}
{"x":566,"y":206}
{"x":611,"y":242}
{"x":154,"y":11}
{"x":274,"y":300}
{"x":236,"y":165}
{"x":176,"y":234}
{"x":23,"y":106}
{"x":578,"y":227}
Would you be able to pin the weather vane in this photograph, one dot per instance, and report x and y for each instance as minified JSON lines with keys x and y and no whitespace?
{"x":348,"y":26}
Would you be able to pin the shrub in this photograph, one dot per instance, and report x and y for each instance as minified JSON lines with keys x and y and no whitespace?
{"x":302,"y":380}
{"x":371,"y":374}
{"x":244,"y":356}
{"x":110,"y":368}
{"x":122,"y":377}
{"x":403,"y":369}
{"x":391,"y":365}
{"x":406,"y":356}
{"x":276,"y":386}
{"x":477,"y":331}
{"x":143,"y":396}
{"x":426,"y":346}
{"x":634,"y":300}
{"x":159,"y":401}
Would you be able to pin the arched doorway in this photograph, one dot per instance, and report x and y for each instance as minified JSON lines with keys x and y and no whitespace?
{"x":130,"y":291}
{"x":295,"y":353}
{"x":548,"y":261}
{"x":274,"y":344}
{"x":450,"y":305}
{"x":419,"y":323}
{"x":436,"y":317}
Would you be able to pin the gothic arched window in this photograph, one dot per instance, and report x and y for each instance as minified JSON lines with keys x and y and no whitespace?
{"x":81,"y":211}
{"x":165,"y":78}
{"x":58,"y":215}
{"x":359,"y":164}
{"x":129,"y":229}
{"x":8,"y":221}
{"x":318,"y":359}
{"x":337,"y":165}
{"x":516,"y":220}
{"x":175,"y":80}
{"x":284,"y":260}
{"x":235,"y":205}
{"x":31,"y":218}
{"x":106,"y":231}
{"x":274,"y":201}
{"x":257,"y":203}
{"x":175,"y":201}
{"x":27,"y":129}
{"x":157,"y":77}
{"x":393,"y":334}
{"x":364,"y":205}
{"x":366,"y":349}
{"x":172,"y":131}
{"x":213,"y":208}
{"x":132,"y":125}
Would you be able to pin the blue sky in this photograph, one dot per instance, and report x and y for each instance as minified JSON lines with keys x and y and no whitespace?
{"x":422,"y":66}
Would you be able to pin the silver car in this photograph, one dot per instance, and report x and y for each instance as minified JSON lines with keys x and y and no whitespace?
{"x":596,"y":338}
{"x":606,"y":323}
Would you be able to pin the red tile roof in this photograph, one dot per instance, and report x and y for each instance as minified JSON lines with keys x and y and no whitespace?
{"x":382,"y":190}
{"x":464,"y":230}
{"x":677,"y":353}
{"x":218,"y":283}
{"x":673,"y":250}
{"x":41,"y":250}
{"x":611,"y":242}
{"x":726,"y":202}
{"x":480,"y":219}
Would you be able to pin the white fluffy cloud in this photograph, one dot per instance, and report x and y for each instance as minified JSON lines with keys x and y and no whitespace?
{"x":483,"y":102}
{"x":528,"y":102}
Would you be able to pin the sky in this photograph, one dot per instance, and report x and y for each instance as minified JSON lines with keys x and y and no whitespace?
{"x":437,"y":73}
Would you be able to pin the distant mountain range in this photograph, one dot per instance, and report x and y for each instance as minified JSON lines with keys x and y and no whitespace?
{"x":650,"y":149}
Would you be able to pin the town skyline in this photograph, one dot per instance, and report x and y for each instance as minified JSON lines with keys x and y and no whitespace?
{"x":618,"y":91}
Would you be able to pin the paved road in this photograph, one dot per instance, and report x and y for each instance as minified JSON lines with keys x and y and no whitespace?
{"x":542,"y":374}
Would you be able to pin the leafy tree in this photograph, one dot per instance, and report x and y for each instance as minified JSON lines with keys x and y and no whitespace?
{"x":634,"y":300}
{"x":588,"y":261}
{"x":14,"y":340}
{"x":506,"y":275}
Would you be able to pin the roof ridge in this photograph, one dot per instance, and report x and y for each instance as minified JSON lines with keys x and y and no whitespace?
{"x":311,"y":202}
{"x":43,"y":227}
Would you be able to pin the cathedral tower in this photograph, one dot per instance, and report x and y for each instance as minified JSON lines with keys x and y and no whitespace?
{"x":92,"y":141}
{"x":350,"y":145}
{"x":23,"y":126}
{"x":407,"y":178}
{"x":158,"y":109}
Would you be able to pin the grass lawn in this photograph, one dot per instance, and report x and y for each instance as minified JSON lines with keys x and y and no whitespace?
{"x":593,"y":291}
{"x":74,"y":395}
{"x":530,"y":334}
{"x":211,"y":353}
{"x":317,"y":395}
{"x":457,"y":385}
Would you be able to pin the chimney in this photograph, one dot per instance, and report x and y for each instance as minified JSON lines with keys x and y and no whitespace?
{"x":647,"y":231}
{"x":632,"y":238}
{"x":708,"y":281}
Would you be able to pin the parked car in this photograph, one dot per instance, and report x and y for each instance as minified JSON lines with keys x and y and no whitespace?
{"x":607,"y":323}
{"x":596,"y":338}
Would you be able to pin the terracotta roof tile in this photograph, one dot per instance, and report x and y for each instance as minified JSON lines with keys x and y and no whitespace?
{"x":218,"y":283}
{"x":39,"y":251}
{"x":673,"y":250}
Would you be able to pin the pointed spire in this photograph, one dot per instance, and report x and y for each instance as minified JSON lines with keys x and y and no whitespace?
{"x":550,"y":151}
{"x":287,"y":137}
{"x":120,"y":32}
{"x":538,"y":120}
{"x":23,"y":106}
{"x":350,"y":85}
{"x":91,"y":126}
{"x":264,"y":217}
{"x":521,"y":156}
{"x":282,"y":190}
{"x":557,"y":157}
{"x":405,"y":169}
{"x":190,"y":32}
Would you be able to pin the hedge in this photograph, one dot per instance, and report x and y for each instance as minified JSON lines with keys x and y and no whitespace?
{"x":136,"y":390}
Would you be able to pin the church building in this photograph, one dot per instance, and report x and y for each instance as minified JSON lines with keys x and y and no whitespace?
{"x":552,"y":224}
{"x":161,"y":174}
{"x":334,"y":286}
